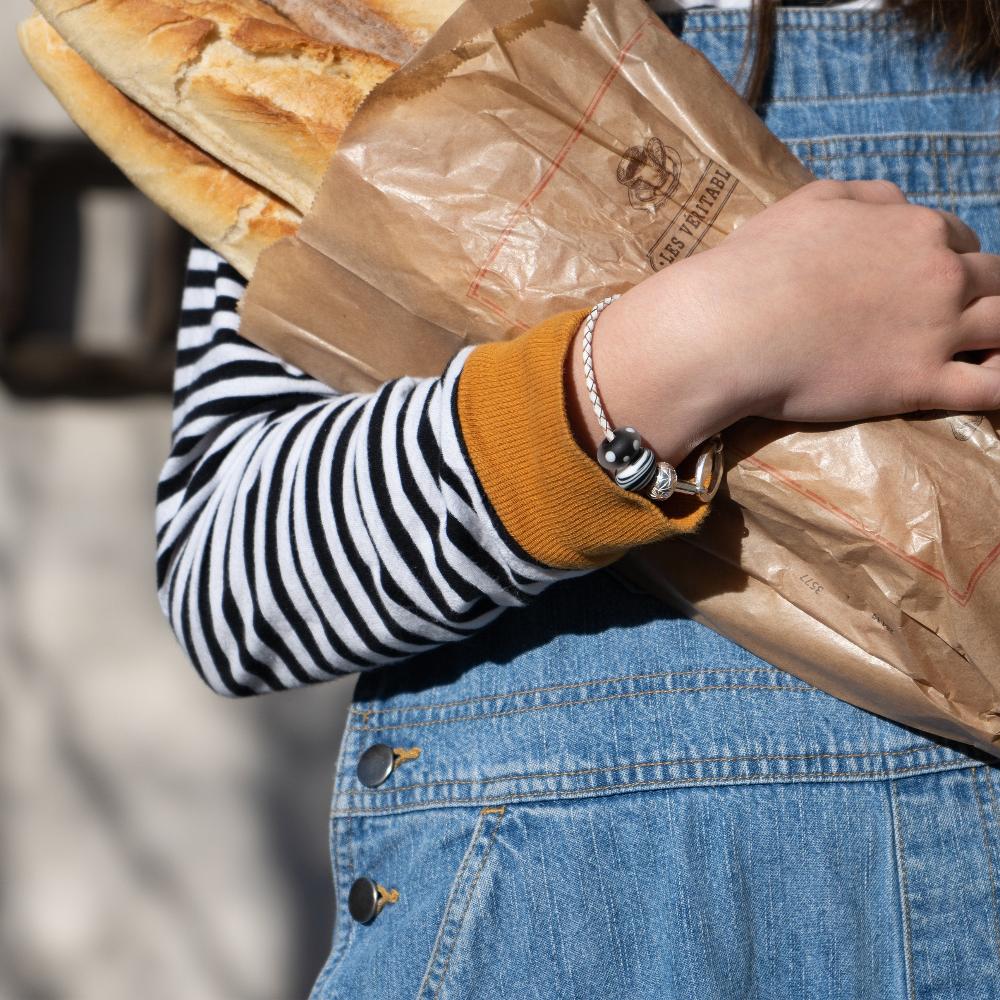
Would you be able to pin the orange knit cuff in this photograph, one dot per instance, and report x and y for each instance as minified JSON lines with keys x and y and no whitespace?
{"x":555,"y":501}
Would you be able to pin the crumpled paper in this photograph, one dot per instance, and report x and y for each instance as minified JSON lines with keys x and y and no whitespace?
{"x":537,"y":156}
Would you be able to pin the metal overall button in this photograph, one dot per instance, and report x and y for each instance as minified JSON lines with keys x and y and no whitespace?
{"x":366,"y":899}
{"x":375,"y":765}
{"x":380,"y":760}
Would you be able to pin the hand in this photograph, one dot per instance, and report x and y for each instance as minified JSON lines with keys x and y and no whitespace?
{"x":839,"y":302}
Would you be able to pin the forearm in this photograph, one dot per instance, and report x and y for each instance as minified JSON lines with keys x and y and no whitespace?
{"x":651,"y":373}
{"x":303,"y":534}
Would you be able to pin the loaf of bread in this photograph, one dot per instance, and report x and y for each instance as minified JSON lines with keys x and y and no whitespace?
{"x":234,"y":77}
{"x":419,"y":18}
{"x":228,"y":213}
{"x":394,"y":29}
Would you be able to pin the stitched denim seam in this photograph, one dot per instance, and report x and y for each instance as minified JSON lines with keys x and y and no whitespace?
{"x":855,"y":98}
{"x":739,"y":758}
{"x":340,"y":875}
{"x":346,"y":934}
{"x":988,"y":852}
{"x":889,"y":153}
{"x":827,"y":140}
{"x":696,"y":29}
{"x":902,"y":877}
{"x":576,"y":793}
{"x":941,"y":152}
{"x":797,"y":16}
{"x":964,"y":196}
{"x":351,"y":853}
{"x":988,"y":779}
{"x":957,"y":195}
{"x":988,"y":776}
{"x":585,"y":701}
{"x":617,"y":679}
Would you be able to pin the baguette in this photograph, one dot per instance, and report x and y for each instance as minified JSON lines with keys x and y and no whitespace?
{"x":232,"y":76}
{"x":420,"y":18}
{"x":394,"y":29}
{"x":236,"y":218}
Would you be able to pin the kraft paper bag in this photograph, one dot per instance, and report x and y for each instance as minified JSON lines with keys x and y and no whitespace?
{"x":537,"y":156}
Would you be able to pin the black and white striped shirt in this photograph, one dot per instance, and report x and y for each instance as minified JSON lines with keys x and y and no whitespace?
{"x":303,"y":533}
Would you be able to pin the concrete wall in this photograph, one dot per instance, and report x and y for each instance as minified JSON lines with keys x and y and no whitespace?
{"x":156,"y":841}
{"x":24,"y":100}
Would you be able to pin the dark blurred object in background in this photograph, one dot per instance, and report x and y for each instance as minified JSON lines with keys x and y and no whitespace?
{"x":90,"y":274}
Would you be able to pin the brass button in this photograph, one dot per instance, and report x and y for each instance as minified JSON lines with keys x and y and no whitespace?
{"x":376,"y":764}
{"x":362,"y":902}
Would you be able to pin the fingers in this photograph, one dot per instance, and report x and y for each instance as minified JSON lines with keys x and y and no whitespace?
{"x":877,"y":192}
{"x":982,"y":275}
{"x":966,"y":387}
{"x":991,"y":359}
{"x":928,"y":226}
{"x":955,"y":233}
{"x":960,"y":237}
{"x":979,"y":324}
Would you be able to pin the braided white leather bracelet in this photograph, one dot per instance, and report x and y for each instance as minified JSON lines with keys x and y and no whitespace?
{"x":624,"y":455}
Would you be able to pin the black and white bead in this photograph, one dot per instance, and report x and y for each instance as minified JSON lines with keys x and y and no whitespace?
{"x":622,"y":452}
{"x":636,"y":476}
{"x":623,"y":449}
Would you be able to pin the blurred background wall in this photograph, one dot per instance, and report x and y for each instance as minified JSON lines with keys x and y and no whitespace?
{"x":156,"y":841}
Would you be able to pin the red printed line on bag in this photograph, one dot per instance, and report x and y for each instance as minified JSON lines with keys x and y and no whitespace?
{"x":553,"y":169}
{"x":961,"y":597}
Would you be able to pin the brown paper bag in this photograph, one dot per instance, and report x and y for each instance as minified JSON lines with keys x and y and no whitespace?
{"x":536,"y":156}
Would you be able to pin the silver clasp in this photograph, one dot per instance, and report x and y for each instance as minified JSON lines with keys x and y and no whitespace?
{"x":708,"y":472}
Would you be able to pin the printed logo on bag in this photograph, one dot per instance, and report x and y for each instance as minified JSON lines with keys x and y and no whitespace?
{"x":650,"y":173}
{"x":694,"y":218}
{"x":964,"y":425}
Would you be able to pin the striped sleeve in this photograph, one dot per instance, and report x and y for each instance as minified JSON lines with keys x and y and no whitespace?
{"x":302,"y":533}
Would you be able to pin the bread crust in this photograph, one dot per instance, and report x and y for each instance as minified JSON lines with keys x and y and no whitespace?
{"x":234,"y":77}
{"x":394,"y":29}
{"x":235,"y":217}
{"x":421,"y":18}
{"x":349,"y":22}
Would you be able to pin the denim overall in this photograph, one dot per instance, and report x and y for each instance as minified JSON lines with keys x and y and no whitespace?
{"x":596,"y":799}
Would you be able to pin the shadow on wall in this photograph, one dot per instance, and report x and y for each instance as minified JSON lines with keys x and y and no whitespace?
{"x":157,"y":840}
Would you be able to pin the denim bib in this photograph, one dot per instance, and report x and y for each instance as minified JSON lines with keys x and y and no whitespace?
{"x":595,"y":799}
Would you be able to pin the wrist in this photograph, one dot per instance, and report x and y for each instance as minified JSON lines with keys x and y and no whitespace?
{"x":649,"y":378}
{"x":553,"y":499}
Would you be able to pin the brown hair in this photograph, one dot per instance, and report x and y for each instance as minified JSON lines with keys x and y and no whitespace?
{"x":971,"y":27}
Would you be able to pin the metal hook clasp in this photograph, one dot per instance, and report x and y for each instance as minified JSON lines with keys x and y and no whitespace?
{"x":708,"y":472}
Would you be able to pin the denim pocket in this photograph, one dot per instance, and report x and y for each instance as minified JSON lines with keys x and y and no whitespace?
{"x":462,"y":897}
